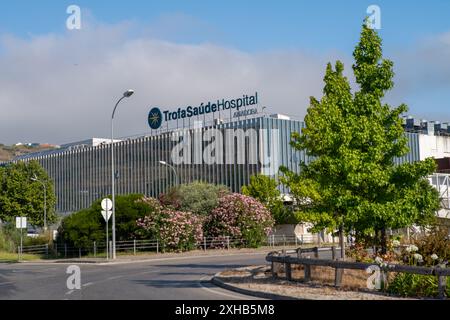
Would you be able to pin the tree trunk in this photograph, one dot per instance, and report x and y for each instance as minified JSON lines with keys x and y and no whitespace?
{"x":341,"y":241}
{"x":383,"y":241}
{"x":376,"y":241}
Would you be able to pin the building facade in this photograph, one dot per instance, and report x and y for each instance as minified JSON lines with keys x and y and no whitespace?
{"x":82,"y":171}
{"x":220,"y":153}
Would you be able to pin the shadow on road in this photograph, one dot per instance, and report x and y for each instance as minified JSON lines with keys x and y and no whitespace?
{"x":202,"y":266}
{"x":7,"y":287}
{"x":170,"y":283}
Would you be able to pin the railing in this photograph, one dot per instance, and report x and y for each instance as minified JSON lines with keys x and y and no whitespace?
{"x":38,"y":249}
{"x":98,"y":249}
{"x":287,"y":260}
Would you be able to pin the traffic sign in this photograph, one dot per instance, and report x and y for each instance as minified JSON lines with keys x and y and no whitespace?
{"x":107,"y":204}
{"x":21,"y":222}
{"x":106,"y":214}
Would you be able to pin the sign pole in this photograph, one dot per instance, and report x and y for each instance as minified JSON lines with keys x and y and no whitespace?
{"x":107,"y":239}
{"x":21,"y":241}
{"x":21,"y":223}
{"x":107,"y":206}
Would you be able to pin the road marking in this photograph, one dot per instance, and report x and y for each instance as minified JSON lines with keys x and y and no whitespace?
{"x":70,"y":292}
{"x":88,"y":284}
{"x":218,"y":292}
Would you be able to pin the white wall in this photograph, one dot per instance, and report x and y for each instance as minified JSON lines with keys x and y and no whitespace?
{"x":434,"y":146}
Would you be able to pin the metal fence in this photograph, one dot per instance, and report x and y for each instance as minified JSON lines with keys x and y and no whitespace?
{"x":38,"y":249}
{"x":98,"y":249}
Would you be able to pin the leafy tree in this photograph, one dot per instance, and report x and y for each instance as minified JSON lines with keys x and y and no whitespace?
{"x":86,"y":226}
{"x":265,"y":189}
{"x":82,"y":228}
{"x":20,"y":196}
{"x":197,"y":197}
{"x":353,"y":183}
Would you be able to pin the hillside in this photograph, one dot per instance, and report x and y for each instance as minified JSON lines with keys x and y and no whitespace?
{"x":9,"y":152}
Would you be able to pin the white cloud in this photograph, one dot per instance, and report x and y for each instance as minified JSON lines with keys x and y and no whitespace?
{"x":423,"y":77}
{"x":60,"y":88}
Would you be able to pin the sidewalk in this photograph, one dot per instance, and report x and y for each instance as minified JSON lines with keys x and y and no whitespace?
{"x":142,"y":257}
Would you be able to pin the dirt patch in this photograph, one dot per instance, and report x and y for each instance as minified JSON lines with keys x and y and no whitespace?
{"x":259,"y":278}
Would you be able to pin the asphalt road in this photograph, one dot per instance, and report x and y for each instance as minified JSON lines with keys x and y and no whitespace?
{"x":184,"y":278}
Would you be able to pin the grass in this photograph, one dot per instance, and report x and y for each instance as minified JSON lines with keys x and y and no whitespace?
{"x":7,"y":257}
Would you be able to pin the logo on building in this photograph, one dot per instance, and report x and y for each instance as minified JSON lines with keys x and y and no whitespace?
{"x":155,"y":118}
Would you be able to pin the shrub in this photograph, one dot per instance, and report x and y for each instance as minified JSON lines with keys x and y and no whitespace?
{"x":265,"y":189}
{"x":175,"y":230}
{"x":435,"y":242}
{"x":86,"y":226}
{"x":359,"y":253}
{"x":82,"y":228}
{"x":130,"y":208}
{"x":414,"y":285}
{"x":197,"y":197}
{"x":240,"y":216}
{"x":151,"y":229}
{"x":6,"y":243}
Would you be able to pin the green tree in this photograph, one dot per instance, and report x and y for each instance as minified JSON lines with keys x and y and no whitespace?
{"x":84,"y":227}
{"x":352,"y":182}
{"x":20,"y":196}
{"x":197,"y":197}
{"x":265,"y":189}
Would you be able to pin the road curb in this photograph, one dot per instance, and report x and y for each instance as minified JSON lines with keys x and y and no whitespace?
{"x":258,"y":294}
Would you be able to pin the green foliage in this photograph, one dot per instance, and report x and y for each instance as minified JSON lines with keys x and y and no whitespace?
{"x":20,"y":196}
{"x":353,"y":141}
{"x":6,"y":243}
{"x":86,"y":226}
{"x":82,"y":228}
{"x":197,"y":197}
{"x":265,"y":190}
{"x":129,"y":208}
{"x":414,"y":285}
{"x":10,"y":238}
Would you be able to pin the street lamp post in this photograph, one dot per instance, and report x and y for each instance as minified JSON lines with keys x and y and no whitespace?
{"x":45,"y":200}
{"x":127,"y":94}
{"x":164,"y":163}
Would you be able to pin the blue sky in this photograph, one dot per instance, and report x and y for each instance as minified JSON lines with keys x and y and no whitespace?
{"x":277,"y":47}
{"x":247,"y":25}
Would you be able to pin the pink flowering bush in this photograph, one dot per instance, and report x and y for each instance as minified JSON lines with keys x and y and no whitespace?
{"x":147,"y":226}
{"x":175,"y":230}
{"x":242,"y":217}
